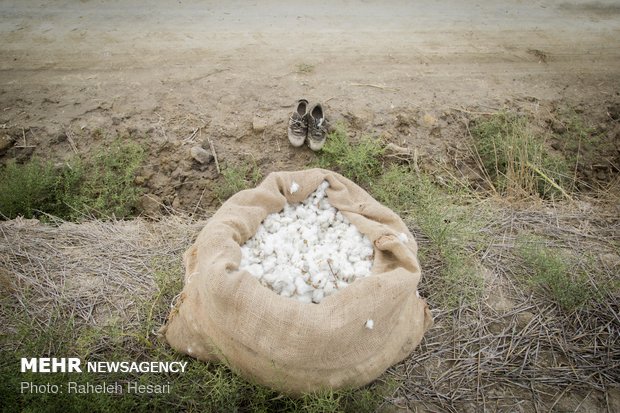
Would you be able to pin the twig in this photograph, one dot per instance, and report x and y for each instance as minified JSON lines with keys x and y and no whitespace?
{"x":68,"y":133}
{"x":375,"y":86}
{"x":199,"y":200}
{"x":471,"y":112}
{"x":25,"y":145}
{"x":551,"y":181}
{"x":217,"y":164}
{"x":189,"y":139}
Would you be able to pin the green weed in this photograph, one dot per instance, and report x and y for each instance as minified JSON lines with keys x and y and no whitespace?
{"x":449,"y":228}
{"x":236,"y":178}
{"x":304,"y":68}
{"x":360,"y":162}
{"x":101,"y":186}
{"x":516,"y":161}
{"x":107,"y":188}
{"x":27,"y":189}
{"x":554,"y":272}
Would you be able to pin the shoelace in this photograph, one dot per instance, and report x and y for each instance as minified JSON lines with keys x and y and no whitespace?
{"x":296,"y":124}
{"x":319,"y":130}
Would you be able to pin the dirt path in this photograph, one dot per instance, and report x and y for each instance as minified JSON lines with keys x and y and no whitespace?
{"x":175,"y":68}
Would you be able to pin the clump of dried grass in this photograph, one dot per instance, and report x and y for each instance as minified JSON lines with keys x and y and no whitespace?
{"x":92,"y":272}
{"x":526,"y":353}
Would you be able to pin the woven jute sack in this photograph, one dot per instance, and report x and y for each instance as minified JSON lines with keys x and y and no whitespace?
{"x":224,"y":314}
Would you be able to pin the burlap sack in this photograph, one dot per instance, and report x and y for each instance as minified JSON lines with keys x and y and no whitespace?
{"x":225,"y":314}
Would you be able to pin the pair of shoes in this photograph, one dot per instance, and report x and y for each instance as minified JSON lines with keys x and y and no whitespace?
{"x":307,"y":124}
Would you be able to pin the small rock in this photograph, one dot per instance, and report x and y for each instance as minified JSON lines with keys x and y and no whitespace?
{"x":139,"y":180}
{"x":150,"y":205}
{"x":200,"y":155}
{"x":610,"y":260}
{"x":258,"y":124}
{"x":176,"y":203}
{"x":6,"y":142}
{"x":176,"y":173}
{"x":429,"y":120}
{"x":558,"y":127}
{"x":524,"y":318}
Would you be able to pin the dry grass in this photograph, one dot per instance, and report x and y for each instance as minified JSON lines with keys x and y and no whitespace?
{"x":517,"y":350}
{"x":518,"y":353}
{"x":95,"y":272}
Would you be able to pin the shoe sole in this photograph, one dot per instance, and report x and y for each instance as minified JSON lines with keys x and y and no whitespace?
{"x":295,"y":140}
{"x":316,"y":145}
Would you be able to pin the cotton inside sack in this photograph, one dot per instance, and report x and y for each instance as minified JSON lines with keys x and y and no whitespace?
{"x":348,"y":340}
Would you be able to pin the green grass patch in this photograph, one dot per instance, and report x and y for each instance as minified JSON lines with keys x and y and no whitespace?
{"x":555,"y":274}
{"x":516,"y":161}
{"x":448,"y":226}
{"x":360,"y":161}
{"x":101,"y":186}
{"x":304,"y":68}
{"x":235,"y":178}
{"x":27,"y":189}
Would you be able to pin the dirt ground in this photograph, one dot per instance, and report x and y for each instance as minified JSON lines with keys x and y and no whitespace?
{"x":171,"y":75}
{"x":75,"y":74}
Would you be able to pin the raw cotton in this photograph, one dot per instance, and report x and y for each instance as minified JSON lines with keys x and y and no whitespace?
{"x":308,"y":250}
{"x":225,"y":314}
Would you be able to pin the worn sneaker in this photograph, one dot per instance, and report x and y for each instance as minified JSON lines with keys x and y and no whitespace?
{"x":317,"y":127}
{"x":298,"y":124}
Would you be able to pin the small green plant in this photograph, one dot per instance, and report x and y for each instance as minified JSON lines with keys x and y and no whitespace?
{"x":304,"y":68}
{"x":360,"y":162}
{"x":449,"y":229}
{"x":236,"y":178}
{"x":27,"y":189}
{"x":554,"y":273}
{"x":515,"y":160}
{"x":108,"y":188}
{"x":101,"y":186}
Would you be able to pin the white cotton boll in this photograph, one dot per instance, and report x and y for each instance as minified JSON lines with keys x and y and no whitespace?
{"x":353,"y":258}
{"x":255,"y":270}
{"x":325,"y":205}
{"x":268,"y":247}
{"x":346,"y":270}
{"x":294,"y":187}
{"x":317,"y":296}
{"x":341,"y":284}
{"x":301,"y":287}
{"x":300,"y":212}
{"x":369,"y":324}
{"x":288,"y":290}
{"x":307,"y":251}
{"x":361,"y":269}
{"x":318,"y":279}
{"x":278,"y":286}
{"x":270,"y":277}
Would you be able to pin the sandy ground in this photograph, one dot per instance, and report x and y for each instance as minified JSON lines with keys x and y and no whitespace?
{"x":174,"y":73}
